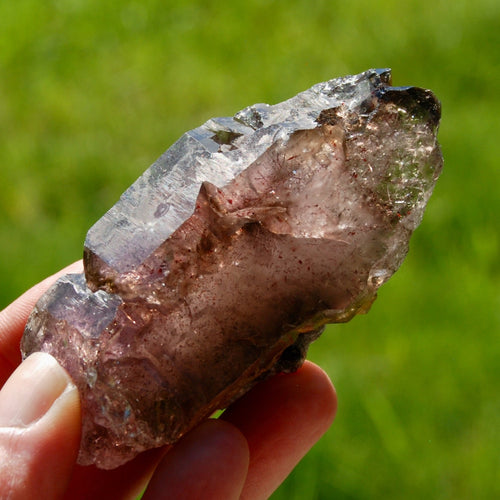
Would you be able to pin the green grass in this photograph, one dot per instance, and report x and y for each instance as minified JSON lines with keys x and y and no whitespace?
{"x":92,"y":92}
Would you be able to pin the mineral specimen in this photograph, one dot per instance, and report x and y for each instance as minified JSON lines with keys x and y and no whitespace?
{"x":220,"y":264}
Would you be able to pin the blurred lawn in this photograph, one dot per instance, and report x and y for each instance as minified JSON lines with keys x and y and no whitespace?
{"x":92,"y":92}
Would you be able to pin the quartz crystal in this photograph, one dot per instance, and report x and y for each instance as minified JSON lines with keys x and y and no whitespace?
{"x":226,"y":258}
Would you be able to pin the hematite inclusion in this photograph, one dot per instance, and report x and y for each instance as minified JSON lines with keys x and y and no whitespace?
{"x":224,"y":260}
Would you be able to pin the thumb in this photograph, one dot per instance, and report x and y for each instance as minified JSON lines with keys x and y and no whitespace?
{"x":39,"y":430}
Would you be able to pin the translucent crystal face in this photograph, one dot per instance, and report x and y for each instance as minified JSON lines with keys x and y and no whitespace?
{"x":224,"y":260}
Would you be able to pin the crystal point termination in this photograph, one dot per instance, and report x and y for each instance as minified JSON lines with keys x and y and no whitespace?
{"x":224,"y":260}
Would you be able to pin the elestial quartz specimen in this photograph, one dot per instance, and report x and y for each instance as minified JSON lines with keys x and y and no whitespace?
{"x":220,"y":264}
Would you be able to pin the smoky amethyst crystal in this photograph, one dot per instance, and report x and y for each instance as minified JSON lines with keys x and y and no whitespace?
{"x":224,"y":260}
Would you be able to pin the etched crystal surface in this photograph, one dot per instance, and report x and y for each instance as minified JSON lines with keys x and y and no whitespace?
{"x":224,"y":260}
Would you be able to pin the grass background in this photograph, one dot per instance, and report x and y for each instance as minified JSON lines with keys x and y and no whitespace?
{"x":92,"y":92}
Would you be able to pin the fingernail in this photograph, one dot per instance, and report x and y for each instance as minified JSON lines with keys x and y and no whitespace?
{"x":31,"y":390}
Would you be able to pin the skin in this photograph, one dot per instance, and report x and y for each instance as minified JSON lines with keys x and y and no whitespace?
{"x":245,"y":454}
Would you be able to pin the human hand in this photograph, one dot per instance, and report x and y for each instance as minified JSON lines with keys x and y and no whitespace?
{"x":246,"y":453}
